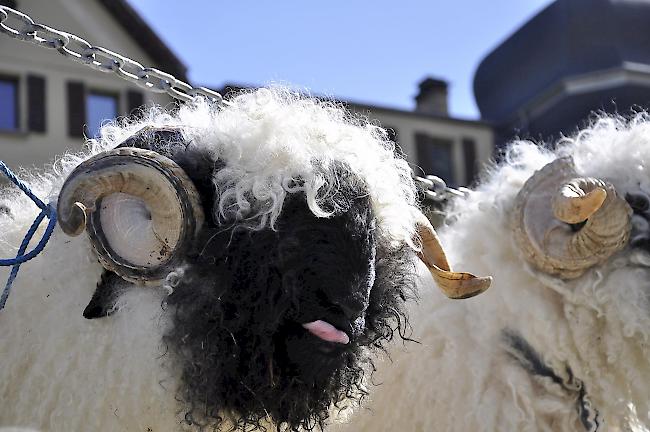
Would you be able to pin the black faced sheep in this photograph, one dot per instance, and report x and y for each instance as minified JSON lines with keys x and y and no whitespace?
{"x":276,"y":240}
{"x":560,"y":342}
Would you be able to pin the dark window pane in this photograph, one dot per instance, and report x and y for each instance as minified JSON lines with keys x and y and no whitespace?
{"x":8,"y":104}
{"x":469,"y":153}
{"x":99,"y":108}
{"x":434,"y":157}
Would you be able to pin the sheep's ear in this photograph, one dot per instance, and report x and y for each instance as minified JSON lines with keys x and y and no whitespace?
{"x":104,"y":300}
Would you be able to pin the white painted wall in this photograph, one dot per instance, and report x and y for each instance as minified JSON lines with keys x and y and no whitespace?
{"x":91,"y":21}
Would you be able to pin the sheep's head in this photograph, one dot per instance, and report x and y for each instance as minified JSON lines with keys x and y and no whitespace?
{"x":265,"y":322}
{"x":586,"y":240}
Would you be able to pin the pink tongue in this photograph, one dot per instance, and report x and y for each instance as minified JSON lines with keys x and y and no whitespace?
{"x":327,"y":332}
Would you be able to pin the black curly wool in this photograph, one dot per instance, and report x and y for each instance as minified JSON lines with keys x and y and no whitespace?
{"x":236,"y":316}
{"x":639,"y":201}
{"x":520,"y":350}
{"x":104,"y":302}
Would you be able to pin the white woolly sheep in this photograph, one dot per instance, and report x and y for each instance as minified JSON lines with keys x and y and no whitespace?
{"x":276,"y":237}
{"x":560,"y":342}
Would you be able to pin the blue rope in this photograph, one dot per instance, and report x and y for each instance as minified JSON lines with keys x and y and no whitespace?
{"x":47,"y":210}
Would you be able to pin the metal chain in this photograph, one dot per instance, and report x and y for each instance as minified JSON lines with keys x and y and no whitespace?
{"x":101,"y":59}
{"x":435,"y":188}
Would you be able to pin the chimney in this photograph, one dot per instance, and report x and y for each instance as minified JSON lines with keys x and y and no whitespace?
{"x":432,"y":98}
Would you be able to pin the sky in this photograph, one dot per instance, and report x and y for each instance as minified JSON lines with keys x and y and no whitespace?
{"x":373,"y":52}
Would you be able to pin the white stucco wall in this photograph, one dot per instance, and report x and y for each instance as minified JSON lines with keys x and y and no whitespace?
{"x":91,"y":21}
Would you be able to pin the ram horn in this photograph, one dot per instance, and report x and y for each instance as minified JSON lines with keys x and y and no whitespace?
{"x":140,"y":209}
{"x":453,"y":284}
{"x":564,"y":223}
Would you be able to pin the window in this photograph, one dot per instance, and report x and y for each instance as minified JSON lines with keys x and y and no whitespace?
{"x":435,"y":157}
{"x":100,"y":107}
{"x":8,"y":104}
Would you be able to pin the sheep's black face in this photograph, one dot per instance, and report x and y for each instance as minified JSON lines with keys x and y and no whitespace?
{"x":277,"y":325}
{"x":239,"y":314}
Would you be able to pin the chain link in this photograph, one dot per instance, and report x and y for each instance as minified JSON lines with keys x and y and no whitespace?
{"x":101,"y":59}
{"x":435,"y":188}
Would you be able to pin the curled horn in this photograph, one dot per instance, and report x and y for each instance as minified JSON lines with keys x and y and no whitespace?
{"x":565,"y":224}
{"x":454,"y":285}
{"x":139,"y":208}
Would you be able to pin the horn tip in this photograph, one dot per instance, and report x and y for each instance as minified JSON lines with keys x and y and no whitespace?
{"x":475,"y":287}
{"x":460,"y":285}
{"x":578,"y":209}
{"x":75,"y":224}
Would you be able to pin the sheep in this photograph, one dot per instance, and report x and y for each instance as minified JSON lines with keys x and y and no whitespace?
{"x":560,"y":342}
{"x":242,"y":269}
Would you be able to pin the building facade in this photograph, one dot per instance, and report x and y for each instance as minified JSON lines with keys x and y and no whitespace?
{"x":48,"y":103}
{"x":453,"y":149}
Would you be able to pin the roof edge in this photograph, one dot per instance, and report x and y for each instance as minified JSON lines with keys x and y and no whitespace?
{"x":145,"y":37}
{"x":231,"y":88}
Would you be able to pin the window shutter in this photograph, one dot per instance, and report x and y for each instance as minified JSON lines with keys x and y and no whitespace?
{"x":469,"y":153}
{"x":422,"y":142}
{"x":76,"y":108}
{"x":134,"y":101}
{"x":35,"y":103}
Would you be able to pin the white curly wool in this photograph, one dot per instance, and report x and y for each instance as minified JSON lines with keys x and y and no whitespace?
{"x":462,"y":378}
{"x":60,"y":372}
{"x":275,"y":142}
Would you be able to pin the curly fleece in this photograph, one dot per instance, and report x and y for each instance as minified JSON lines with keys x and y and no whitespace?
{"x":133,"y":370}
{"x":590,"y":335}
